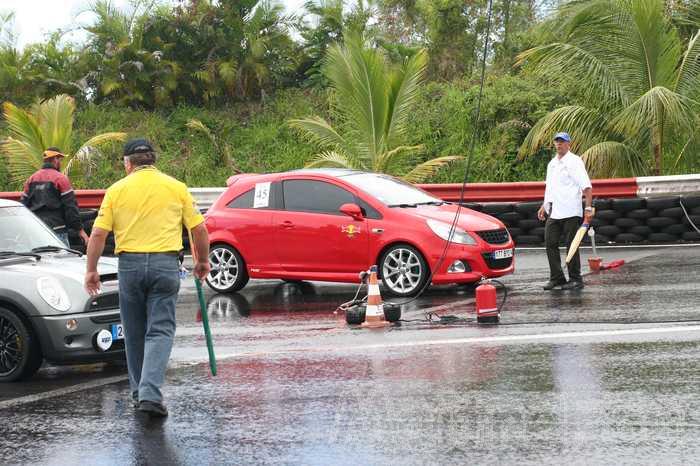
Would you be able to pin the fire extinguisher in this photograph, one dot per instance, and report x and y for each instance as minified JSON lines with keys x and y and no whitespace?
{"x":487,"y":309}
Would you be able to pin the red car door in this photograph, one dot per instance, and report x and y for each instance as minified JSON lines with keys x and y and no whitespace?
{"x":312,"y":235}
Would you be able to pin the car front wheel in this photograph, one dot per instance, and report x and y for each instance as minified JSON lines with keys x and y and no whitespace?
{"x":228,"y":271}
{"x":20,"y":355}
{"x":403,"y":270}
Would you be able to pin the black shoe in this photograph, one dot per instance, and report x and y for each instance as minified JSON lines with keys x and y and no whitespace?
{"x":573,"y":285}
{"x":135,"y":399}
{"x":550,"y":285}
{"x":153,"y":408}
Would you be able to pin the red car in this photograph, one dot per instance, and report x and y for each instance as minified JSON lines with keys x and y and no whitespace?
{"x":330,"y":224}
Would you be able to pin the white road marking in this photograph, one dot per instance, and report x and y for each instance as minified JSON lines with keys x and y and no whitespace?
{"x":62,"y":391}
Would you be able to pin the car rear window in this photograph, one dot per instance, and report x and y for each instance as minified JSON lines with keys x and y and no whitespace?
{"x":315,"y":196}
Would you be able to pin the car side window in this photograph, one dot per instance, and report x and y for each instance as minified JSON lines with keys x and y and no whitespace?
{"x":243,"y":201}
{"x":315,"y":196}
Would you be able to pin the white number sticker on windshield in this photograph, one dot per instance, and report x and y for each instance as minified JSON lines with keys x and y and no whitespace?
{"x":262,"y":195}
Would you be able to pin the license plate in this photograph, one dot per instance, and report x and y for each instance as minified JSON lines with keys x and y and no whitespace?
{"x":503,"y":254}
{"x":117,"y":332}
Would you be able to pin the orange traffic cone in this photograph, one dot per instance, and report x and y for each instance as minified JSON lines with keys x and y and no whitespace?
{"x":374,"y":314}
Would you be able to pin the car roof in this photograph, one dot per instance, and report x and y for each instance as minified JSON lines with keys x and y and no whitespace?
{"x":9,"y":203}
{"x":338,"y":172}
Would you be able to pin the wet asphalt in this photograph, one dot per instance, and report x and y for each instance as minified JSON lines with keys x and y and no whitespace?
{"x":608,"y":374}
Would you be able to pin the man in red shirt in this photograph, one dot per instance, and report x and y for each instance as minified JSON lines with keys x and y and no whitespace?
{"x":49,"y":194}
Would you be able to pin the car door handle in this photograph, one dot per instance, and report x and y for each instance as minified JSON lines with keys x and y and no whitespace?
{"x":287,"y":224}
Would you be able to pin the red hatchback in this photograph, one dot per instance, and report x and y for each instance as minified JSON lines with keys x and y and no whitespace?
{"x":330,"y":224}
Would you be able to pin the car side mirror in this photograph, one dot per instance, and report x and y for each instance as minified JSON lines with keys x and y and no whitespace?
{"x":352,"y":210}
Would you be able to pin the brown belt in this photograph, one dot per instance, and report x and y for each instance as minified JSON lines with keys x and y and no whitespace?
{"x":169,"y":253}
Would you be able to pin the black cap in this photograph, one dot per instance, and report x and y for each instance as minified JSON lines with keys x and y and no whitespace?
{"x":137,"y":146}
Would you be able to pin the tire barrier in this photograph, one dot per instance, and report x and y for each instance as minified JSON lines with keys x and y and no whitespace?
{"x":617,"y":221}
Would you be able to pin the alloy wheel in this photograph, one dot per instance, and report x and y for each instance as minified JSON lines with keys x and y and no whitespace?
{"x":402,"y":271}
{"x":10,"y":347}
{"x":224,"y":268}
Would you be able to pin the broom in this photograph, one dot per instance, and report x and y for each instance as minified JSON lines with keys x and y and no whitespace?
{"x":203,"y":311}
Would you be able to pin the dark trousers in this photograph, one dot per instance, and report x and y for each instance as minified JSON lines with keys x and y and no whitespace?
{"x":554,"y":230}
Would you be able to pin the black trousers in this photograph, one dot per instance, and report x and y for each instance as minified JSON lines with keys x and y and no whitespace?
{"x":554,"y":231}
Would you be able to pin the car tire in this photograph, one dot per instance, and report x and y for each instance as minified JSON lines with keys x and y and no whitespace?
{"x":20,"y":353}
{"x":232,"y":275}
{"x":394,"y":261}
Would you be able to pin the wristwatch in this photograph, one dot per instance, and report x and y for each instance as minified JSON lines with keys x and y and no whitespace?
{"x":588,"y":209}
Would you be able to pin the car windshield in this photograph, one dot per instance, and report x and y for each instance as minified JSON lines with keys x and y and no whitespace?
{"x":22,"y":231}
{"x":389,"y":190}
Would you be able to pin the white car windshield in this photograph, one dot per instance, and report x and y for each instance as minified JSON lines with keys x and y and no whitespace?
{"x":22,"y":231}
{"x":391,"y":191}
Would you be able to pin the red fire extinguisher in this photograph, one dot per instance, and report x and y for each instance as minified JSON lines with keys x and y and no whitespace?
{"x":486,"y":306}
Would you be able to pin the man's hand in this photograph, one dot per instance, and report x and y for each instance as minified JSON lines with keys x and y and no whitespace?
{"x":542,"y":214}
{"x":588,"y":216}
{"x":92,"y":283}
{"x":84,"y":237}
{"x":201,"y":269}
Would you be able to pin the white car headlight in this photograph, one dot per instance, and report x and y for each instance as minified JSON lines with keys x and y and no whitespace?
{"x":442,"y":229}
{"x":53,"y":293}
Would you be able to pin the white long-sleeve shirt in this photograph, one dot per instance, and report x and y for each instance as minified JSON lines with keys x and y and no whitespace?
{"x":566,"y":180}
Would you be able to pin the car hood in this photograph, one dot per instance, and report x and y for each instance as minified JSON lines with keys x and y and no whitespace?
{"x":61,"y":266}
{"x":469,"y":220}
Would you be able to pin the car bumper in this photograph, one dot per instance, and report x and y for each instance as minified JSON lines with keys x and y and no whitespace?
{"x":478,"y":261}
{"x":62,"y":346}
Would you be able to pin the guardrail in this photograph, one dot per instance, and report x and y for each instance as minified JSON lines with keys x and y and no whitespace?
{"x":616,"y":188}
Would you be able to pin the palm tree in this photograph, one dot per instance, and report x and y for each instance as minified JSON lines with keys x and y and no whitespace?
{"x":46,"y":124}
{"x":641,"y":86}
{"x":373,"y":101}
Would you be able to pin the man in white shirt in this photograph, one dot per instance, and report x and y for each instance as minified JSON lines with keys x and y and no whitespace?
{"x":567,"y":181}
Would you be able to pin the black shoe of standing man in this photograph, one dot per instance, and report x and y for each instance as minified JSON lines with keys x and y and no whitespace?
{"x":153,"y":409}
{"x":573,"y":285}
{"x":550,"y":285}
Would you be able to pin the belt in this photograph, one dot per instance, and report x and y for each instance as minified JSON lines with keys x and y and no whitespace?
{"x":167,"y":253}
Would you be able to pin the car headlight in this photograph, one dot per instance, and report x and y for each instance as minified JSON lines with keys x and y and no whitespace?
{"x":53,"y":293}
{"x":442,"y":229}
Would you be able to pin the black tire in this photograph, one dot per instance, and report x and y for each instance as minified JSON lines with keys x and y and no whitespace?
{"x":528,"y":209}
{"x":602,"y":239}
{"x":660,"y":222}
{"x":355,"y":315}
{"x":539,"y":231}
{"x":596,"y":222}
{"x":641,"y":230}
{"x":690,"y":202}
{"x":395,"y":260}
{"x":693,"y":218}
{"x":514,"y":232}
{"x":497,"y":208}
{"x":607,"y":215}
{"x":20,"y":353}
{"x":234,"y":266}
{"x":626,"y":223}
{"x":673,"y":212}
{"x":602,"y":204}
{"x":527,"y":224}
{"x":691,"y":236}
{"x":610,"y":231}
{"x":662,"y":203}
{"x":641,"y":214}
{"x":662,"y":238}
{"x":627,"y":205}
{"x":529,"y":239}
{"x":511,"y":219}
{"x":677,"y":229}
{"x":693,"y":211}
{"x":628,"y":238}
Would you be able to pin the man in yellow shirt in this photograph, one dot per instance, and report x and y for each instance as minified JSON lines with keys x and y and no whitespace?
{"x":146,"y":210}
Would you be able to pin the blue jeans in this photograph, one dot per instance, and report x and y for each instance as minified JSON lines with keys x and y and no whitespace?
{"x":148,"y":287}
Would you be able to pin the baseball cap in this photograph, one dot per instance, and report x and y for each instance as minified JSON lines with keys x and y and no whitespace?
{"x":563,"y":136}
{"x":52,"y":152}
{"x":137,"y":146}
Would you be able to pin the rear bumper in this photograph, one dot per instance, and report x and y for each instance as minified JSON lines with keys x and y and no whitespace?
{"x":62,"y":346}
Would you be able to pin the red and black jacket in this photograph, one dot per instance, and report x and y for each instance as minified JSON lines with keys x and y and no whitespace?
{"x":49,"y":194}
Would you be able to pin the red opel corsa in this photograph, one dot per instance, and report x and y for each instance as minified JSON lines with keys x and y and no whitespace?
{"x":330,"y":224}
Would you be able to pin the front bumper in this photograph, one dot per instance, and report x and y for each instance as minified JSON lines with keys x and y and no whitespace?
{"x":479,"y":261}
{"x":62,"y":346}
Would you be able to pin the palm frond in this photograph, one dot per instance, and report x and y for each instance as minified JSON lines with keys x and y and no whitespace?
{"x":585,"y":126}
{"x":87,"y":153}
{"x":319,"y":131}
{"x":688,"y":80}
{"x":384,"y":162}
{"x":427,"y":169}
{"x":55,"y":118}
{"x":403,"y":93}
{"x":612,"y":159}
{"x":656,"y":107}
{"x":22,"y":160}
{"x":197,"y":125}
{"x":332,"y":159}
{"x":24,"y":127}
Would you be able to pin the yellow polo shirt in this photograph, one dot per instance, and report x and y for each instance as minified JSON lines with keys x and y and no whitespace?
{"x":146,"y":210}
